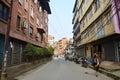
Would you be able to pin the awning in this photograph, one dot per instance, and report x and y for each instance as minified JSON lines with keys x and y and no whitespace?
{"x":41,"y":30}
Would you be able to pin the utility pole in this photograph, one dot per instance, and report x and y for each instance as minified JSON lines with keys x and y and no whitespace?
{"x":5,"y":52}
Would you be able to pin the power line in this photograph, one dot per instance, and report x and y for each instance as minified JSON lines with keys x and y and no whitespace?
{"x":101,"y":28}
{"x":113,"y":7}
{"x":93,"y":21}
{"x":58,"y":21}
{"x":54,"y":29}
{"x":57,"y":18}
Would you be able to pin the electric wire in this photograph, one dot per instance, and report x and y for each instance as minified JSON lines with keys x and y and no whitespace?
{"x":113,"y":7}
{"x":58,"y":20}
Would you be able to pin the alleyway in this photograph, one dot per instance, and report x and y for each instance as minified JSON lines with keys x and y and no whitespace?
{"x":62,"y":70}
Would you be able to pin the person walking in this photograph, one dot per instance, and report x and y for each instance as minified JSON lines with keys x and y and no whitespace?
{"x":96,"y":63}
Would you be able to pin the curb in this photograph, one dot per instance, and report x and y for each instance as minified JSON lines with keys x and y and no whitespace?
{"x":26,"y":68}
{"x":109,"y":74}
{"x":115,"y":77}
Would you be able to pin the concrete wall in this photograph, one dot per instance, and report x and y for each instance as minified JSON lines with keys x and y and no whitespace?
{"x":88,"y":51}
{"x":116,"y":21}
{"x":22,"y":68}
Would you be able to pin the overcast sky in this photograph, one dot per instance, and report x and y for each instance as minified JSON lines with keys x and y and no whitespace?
{"x":60,"y":21}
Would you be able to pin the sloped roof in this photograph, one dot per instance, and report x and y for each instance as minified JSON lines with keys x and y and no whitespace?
{"x":45,"y":5}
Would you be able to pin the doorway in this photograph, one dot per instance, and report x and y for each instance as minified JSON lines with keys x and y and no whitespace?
{"x":118,"y":52}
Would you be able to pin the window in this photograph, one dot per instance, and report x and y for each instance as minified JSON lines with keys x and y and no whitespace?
{"x":31,"y":12}
{"x":100,"y":31}
{"x":37,"y":21}
{"x":4,"y":11}
{"x":41,"y":25}
{"x":25,"y":4}
{"x":83,"y":7}
{"x":83,"y":22}
{"x":25,"y":24}
{"x":18,"y":22}
{"x":86,"y":19}
{"x":90,"y":13}
{"x":20,"y":1}
{"x":1,"y":8}
{"x":37,"y":35}
{"x":31,"y":31}
{"x":46,"y":20}
{"x":108,"y":18}
{"x":92,"y":31}
{"x":81,"y":12}
{"x":5,"y":16}
{"x":96,"y":5}
{"x":35,"y":1}
{"x":41,"y":37}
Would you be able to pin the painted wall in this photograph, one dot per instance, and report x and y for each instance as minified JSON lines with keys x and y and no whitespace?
{"x":116,"y":22}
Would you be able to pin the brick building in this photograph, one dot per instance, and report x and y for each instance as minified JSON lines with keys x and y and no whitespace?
{"x":29,"y":24}
{"x":61,"y":46}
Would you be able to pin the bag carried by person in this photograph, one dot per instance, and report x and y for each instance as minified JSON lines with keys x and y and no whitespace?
{"x":94,"y":61}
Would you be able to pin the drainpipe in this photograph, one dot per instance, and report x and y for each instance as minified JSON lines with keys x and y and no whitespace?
{"x":5,"y":52}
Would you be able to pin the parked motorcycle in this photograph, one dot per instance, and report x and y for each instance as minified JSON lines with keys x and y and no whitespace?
{"x":84,"y":62}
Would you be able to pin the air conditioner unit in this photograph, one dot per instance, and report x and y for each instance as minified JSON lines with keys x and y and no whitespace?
{"x":25,"y":25}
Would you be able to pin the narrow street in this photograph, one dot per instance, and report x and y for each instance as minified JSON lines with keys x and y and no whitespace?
{"x":60,"y":69}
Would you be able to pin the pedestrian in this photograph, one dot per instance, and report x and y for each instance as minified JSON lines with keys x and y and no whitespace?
{"x":96,"y":63}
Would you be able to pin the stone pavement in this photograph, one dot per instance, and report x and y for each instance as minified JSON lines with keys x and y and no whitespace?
{"x":111,"y":69}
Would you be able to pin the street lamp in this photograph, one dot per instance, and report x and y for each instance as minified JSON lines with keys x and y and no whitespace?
{"x":5,"y":52}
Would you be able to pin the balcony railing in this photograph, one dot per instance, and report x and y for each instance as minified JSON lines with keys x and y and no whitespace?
{"x":77,"y":27}
{"x":78,"y":36}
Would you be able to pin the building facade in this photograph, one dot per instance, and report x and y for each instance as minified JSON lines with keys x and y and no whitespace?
{"x":61,"y":45}
{"x":29,"y":24}
{"x":95,"y":29}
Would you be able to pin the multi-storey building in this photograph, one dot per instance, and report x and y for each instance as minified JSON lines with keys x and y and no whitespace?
{"x":29,"y":24}
{"x":61,"y":46}
{"x":95,"y":29}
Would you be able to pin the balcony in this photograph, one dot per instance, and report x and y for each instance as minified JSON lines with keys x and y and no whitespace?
{"x":76,"y":17}
{"x":76,"y":27}
{"x":40,"y":30}
{"x":78,"y":35}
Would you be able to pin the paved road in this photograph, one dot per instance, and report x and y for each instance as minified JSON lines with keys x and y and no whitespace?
{"x":61,"y":70}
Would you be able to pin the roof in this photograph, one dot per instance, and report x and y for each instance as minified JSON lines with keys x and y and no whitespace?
{"x":45,"y":5}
